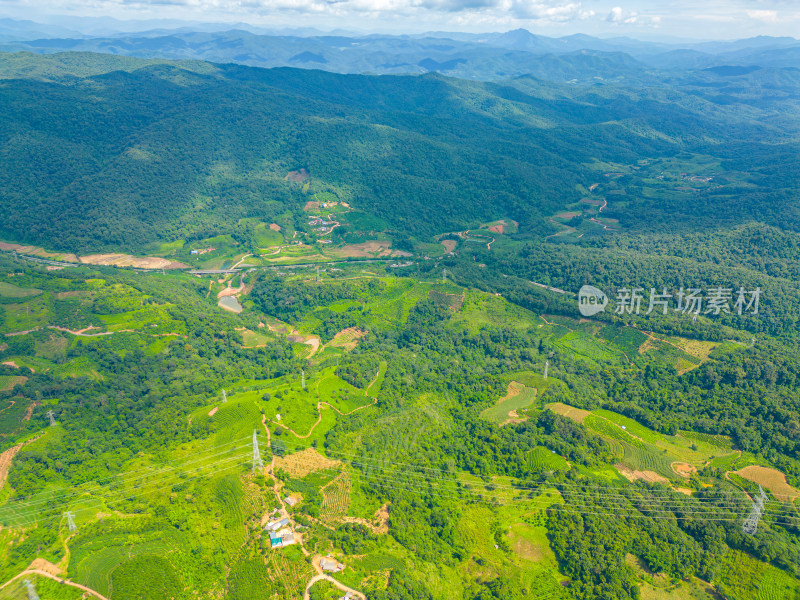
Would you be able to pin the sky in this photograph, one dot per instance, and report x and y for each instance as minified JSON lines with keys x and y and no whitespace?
{"x":643,"y":19}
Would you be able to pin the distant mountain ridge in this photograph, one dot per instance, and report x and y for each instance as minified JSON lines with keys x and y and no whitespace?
{"x":487,"y":57}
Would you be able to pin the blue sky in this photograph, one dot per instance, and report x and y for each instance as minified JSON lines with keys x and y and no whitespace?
{"x":644,"y":19}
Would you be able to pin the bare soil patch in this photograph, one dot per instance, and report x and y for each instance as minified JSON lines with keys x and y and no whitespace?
{"x":5,"y":463}
{"x":646,"y":345}
{"x":696,"y":348}
{"x":568,"y":215}
{"x":300,"y":464}
{"x":592,"y":201}
{"x":685,"y":470}
{"x":772,"y":479}
{"x":126,"y":260}
{"x":11,"y":363}
{"x":297,"y":176}
{"x":12,"y":381}
{"x":213,"y":411}
{"x":274,"y":227}
{"x":347,"y":339}
{"x":311,"y":206}
{"x":41,"y":564}
{"x":576,"y":414}
{"x":368,"y":249}
{"x":449,"y":245}
{"x":525,"y":549}
{"x":497,"y":228}
{"x":650,"y":476}
{"x":379,"y":524}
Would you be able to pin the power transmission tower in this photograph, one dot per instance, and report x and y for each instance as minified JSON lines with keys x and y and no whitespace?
{"x":224,"y":396}
{"x":317,"y":272}
{"x":546,"y":367}
{"x":257,"y":462}
{"x":444,"y":275}
{"x":32,"y":595}
{"x":750,"y":526}
{"x":303,"y":378}
{"x":71,"y":521}
{"x":52,"y":417}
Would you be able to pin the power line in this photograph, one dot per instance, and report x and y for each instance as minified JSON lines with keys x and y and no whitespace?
{"x":71,"y":521}
{"x":750,"y":526}
{"x":604,"y":493}
{"x":408,"y":467}
{"x":75,"y":489}
{"x":68,"y":496}
{"x":145,"y":489}
{"x":32,"y":595}
{"x":257,"y":462}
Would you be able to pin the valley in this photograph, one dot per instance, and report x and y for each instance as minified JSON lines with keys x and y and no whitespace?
{"x":288,"y":333}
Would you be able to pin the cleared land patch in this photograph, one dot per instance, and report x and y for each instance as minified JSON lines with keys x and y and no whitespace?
{"x":634,"y":475}
{"x":370,"y":249}
{"x":298,"y":176}
{"x":518,"y":396}
{"x":7,"y":382}
{"x":576,"y":414}
{"x":347,"y":339}
{"x":126,"y":260}
{"x":772,"y":479}
{"x":5,"y":463}
{"x":300,"y":464}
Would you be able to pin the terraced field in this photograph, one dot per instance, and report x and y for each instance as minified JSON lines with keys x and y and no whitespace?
{"x":336,"y":498}
{"x":542,"y":460}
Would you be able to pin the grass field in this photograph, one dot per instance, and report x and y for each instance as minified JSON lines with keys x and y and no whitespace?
{"x":9,"y":290}
{"x":517,"y":397}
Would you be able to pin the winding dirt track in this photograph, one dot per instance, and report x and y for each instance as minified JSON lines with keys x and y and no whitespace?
{"x":54,"y":578}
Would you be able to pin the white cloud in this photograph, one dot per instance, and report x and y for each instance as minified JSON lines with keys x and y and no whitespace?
{"x":619,"y":16}
{"x":767,"y":16}
{"x":546,"y":11}
{"x":686,"y":18}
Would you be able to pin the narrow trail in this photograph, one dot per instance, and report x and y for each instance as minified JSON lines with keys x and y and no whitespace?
{"x":82,"y":332}
{"x":54,"y":578}
{"x":241,"y":260}
{"x":321,"y":575}
{"x":277,"y":488}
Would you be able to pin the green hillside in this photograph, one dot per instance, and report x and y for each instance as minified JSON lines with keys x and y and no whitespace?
{"x":392,"y":435}
{"x":129,"y":153}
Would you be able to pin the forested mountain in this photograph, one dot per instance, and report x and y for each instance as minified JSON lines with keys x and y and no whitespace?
{"x":103,"y":152}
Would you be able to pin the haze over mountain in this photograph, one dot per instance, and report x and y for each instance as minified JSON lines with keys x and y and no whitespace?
{"x":472,"y":56}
